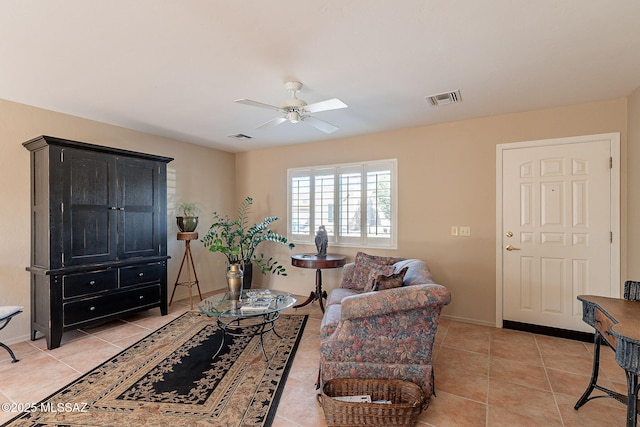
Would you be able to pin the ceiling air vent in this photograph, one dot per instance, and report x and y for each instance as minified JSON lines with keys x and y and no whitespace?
{"x":444,"y":98}
{"x":240,"y":136}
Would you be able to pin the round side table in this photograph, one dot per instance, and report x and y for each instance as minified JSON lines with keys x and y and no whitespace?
{"x":317,"y":262}
{"x":187,"y":237}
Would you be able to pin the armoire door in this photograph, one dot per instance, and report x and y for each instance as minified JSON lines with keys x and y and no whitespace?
{"x":89,"y":207}
{"x":139,"y":196}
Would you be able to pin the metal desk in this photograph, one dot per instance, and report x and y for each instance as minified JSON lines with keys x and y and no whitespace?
{"x":617,"y":325}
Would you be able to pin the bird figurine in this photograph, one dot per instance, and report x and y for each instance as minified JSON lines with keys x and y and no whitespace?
{"x":322,"y":241}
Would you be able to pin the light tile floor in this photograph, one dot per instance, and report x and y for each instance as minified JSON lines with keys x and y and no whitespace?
{"x":484,"y":376}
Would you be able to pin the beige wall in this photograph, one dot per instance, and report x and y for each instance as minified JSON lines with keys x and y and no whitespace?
{"x":446,"y":177}
{"x":197,"y":174}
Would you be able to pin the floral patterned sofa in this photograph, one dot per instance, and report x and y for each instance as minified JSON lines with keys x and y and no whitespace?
{"x":382,"y":322}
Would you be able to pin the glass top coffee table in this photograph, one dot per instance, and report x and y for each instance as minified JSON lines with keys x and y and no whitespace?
{"x":254,"y":315}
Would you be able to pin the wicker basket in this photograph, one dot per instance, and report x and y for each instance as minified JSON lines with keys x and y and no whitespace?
{"x":407,"y":402}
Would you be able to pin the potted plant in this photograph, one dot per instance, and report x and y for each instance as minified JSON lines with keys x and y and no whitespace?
{"x":188,"y":221}
{"x":238,"y":241}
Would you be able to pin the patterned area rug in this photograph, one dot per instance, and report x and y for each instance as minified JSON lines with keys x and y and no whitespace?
{"x":172,"y":378}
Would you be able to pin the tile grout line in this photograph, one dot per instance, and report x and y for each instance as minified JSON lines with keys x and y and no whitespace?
{"x":546,"y":373}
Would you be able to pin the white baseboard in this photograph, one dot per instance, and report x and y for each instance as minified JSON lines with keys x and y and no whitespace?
{"x":16,"y":340}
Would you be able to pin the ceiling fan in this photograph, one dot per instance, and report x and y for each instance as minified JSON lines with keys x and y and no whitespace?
{"x":295,"y":110}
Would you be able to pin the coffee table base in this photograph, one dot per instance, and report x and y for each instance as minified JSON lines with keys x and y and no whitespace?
{"x":248,"y":326}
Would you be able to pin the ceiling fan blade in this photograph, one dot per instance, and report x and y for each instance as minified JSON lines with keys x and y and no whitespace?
{"x":320,"y":124}
{"x":329,"y":104}
{"x":272,"y":123}
{"x":257,"y":104}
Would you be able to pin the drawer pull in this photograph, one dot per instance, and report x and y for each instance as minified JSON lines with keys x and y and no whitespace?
{"x":92,"y":308}
{"x":140,"y":274}
{"x":599,"y":321}
{"x":141,"y":297}
{"x":608,"y":333}
{"x":93,"y":282}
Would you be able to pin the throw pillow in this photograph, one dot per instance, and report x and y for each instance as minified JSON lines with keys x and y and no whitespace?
{"x":368,"y":267}
{"x":382,"y":282}
{"x":374,"y":274}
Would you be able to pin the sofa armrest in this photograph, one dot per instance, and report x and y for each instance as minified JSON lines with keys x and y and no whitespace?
{"x":394,"y":300}
{"x":386,"y":327}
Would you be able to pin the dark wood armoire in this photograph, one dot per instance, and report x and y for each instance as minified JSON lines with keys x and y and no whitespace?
{"x":98,"y":234}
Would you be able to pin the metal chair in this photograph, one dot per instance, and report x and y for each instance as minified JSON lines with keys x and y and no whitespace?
{"x":632,"y":290}
{"x":6,"y":314}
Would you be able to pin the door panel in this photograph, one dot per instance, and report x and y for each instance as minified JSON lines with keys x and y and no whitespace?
{"x":558,"y":231}
{"x":88,"y":214}
{"x":138,"y":190}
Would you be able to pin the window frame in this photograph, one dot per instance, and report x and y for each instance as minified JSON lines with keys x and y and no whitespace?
{"x":307,"y":176}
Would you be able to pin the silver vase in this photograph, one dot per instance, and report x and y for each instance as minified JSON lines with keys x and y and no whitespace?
{"x":234,"y":282}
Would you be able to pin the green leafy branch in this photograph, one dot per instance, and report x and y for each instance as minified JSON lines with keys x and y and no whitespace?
{"x":238,"y":242}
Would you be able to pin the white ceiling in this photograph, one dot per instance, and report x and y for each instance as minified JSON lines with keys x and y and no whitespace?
{"x":174,"y":68}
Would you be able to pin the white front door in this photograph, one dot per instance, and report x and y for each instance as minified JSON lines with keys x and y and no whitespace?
{"x":556,"y":228}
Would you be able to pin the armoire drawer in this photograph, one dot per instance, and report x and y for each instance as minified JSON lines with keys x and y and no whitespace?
{"x":139,"y":274}
{"x":117,"y":302}
{"x":74,"y":285}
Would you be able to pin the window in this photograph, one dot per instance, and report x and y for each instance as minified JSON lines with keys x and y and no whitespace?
{"x":356,"y":202}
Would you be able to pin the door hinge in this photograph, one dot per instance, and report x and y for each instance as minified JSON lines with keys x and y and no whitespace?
{"x":62,"y":156}
{"x":610,"y":162}
{"x":611,"y":237}
{"x":62,"y":258}
{"x":61,"y":207}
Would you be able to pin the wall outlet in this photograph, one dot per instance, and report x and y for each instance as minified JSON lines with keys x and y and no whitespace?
{"x":454,"y":230}
{"x":465,"y":231}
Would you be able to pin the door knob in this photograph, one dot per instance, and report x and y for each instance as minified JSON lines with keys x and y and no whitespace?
{"x":511,"y":248}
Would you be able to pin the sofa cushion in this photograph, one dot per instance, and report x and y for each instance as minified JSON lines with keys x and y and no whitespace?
{"x":391,"y":281}
{"x":337,"y":295}
{"x":330,"y":320}
{"x":368,"y":267}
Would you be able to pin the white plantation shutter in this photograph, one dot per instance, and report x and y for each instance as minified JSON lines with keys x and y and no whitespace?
{"x":378,"y":203}
{"x":324,"y":200}
{"x":300,"y":206}
{"x":356,"y":203}
{"x":350,"y":205}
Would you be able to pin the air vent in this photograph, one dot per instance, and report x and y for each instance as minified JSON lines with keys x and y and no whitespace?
{"x":240,"y":136}
{"x":444,"y":98}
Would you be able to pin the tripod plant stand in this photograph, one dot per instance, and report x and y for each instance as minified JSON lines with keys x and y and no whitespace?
{"x":188,"y":258}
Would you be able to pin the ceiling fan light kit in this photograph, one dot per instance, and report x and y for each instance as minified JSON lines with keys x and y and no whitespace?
{"x":293,"y":116}
{"x":296,"y":110}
